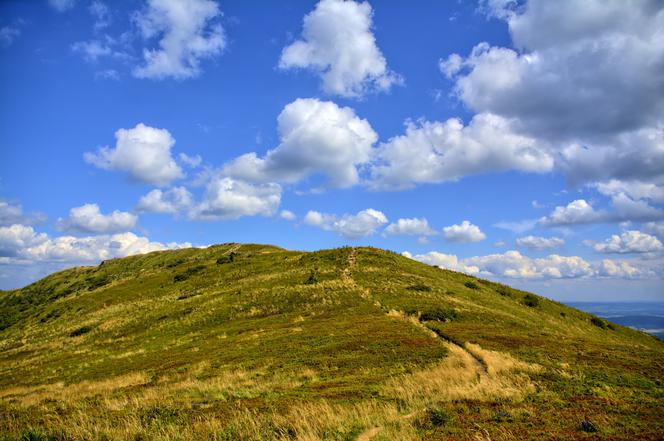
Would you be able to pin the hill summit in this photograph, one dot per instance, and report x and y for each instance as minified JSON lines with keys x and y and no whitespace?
{"x":254,"y":342}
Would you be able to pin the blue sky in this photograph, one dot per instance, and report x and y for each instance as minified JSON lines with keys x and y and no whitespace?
{"x":516,"y":141}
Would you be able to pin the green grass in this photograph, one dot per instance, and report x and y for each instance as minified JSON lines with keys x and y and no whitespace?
{"x":250,"y":341}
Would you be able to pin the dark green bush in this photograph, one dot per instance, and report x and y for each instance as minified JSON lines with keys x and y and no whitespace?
{"x":312,"y":279}
{"x":531,"y":300}
{"x":188,"y":273}
{"x":471,"y":285}
{"x":80,"y":331}
{"x":439,"y":314}
{"x":434,"y":417}
{"x":598,"y":322}
{"x":230,"y":258}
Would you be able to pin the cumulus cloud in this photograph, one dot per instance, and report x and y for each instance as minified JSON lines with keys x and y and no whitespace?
{"x":12,"y":213}
{"x":656,"y":228}
{"x":188,"y":32}
{"x":463,"y":233}
{"x":584,"y":79}
{"x":20,"y":244}
{"x":350,"y":226}
{"x":172,"y":201}
{"x":432,"y":152}
{"x":633,"y":189}
{"x":143,"y":152}
{"x":515,"y":265}
{"x":338,"y":44}
{"x":581,"y":212}
{"x":315,"y":137}
{"x":629,"y":242}
{"x":89,"y":219}
{"x":287,"y":215}
{"x":92,"y":50}
{"x":540,"y":243}
{"x":411,"y":227}
{"x":228,"y":198}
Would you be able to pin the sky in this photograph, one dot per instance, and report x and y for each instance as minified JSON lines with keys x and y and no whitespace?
{"x":519,"y":141}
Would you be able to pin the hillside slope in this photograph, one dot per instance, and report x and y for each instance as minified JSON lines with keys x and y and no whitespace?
{"x":257,"y":342}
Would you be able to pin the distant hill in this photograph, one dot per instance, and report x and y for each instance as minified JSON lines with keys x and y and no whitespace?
{"x":254,"y":342}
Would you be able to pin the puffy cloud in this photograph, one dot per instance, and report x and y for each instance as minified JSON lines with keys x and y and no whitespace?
{"x":514,"y":265}
{"x":143,"y":152}
{"x":191,"y":161}
{"x":566,"y":79}
{"x":89,"y":219}
{"x":11,"y":213}
{"x":351,"y":226}
{"x":316,"y":137}
{"x":62,"y":5}
{"x":656,"y":228}
{"x":173,"y":200}
{"x":576,"y":212}
{"x":629,"y":242}
{"x":188,"y":32}
{"x":20,"y":244}
{"x":463,"y":233}
{"x":584,"y":79}
{"x":288,"y":215}
{"x":8,"y":34}
{"x":411,"y":227}
{"x":540,"y":243}
{"x":227,"y":198}
{"x":338,"y":44}
{"x":581,"y":212}
{"x":633,"y":189}
{"x":445,"y":151}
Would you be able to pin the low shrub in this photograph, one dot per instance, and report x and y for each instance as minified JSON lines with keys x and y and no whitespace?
{"x":80,"y":331}
{"x":312,"y":279}
{"x":531,"y":300}
{"x":188,"y":273}
{"x":439,"y":314}
{"x":230,"y":258}
{"x":598,"y":322}
{"x":471,"y":285}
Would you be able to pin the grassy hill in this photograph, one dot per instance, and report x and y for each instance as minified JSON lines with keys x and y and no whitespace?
{"x":253,"y":342}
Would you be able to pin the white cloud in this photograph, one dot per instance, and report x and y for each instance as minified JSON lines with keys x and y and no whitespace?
{"x":576,"y":212}
{"x":62,"y":5}
{"x":92,"y":50}
{"x":463,"y":233}
{"x":173,"y":201}
{"x":411,"y":227}
{"x":315,"y":137}
{"x":20,"y":244}
{"x":350,"y":226}
{"x":101,"y":13}
{"x":540,"y":243}
{"x":191,"y":161}
{"x":188,"y":32}
{"x":585,"y":79}
{"x":8,"y":34}
{"x":432,"y":152}
{"x":287,"y":215}
{"x":634,"y":189}
{"x":580,"y":211}
{"x":629,"y":242}
{"x":89,"y":219}
{"x":143,"y":152}
{"x":514,"y":265}
{"x":656,"y":228}
{"x":338,"y":44}
{"x":228,"y":198}
{"x":12,"y":213}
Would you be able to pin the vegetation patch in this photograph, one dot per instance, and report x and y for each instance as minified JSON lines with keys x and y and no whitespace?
{"x":80,"y":331}
{"x":471,"y":285}
{"x":188,"y":273}
{"x":439,"y":314}
{"x":531,"y":300}
{"x":419,"y":287}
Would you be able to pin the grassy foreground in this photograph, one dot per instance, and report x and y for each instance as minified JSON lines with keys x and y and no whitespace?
{"x":252,"y":342}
